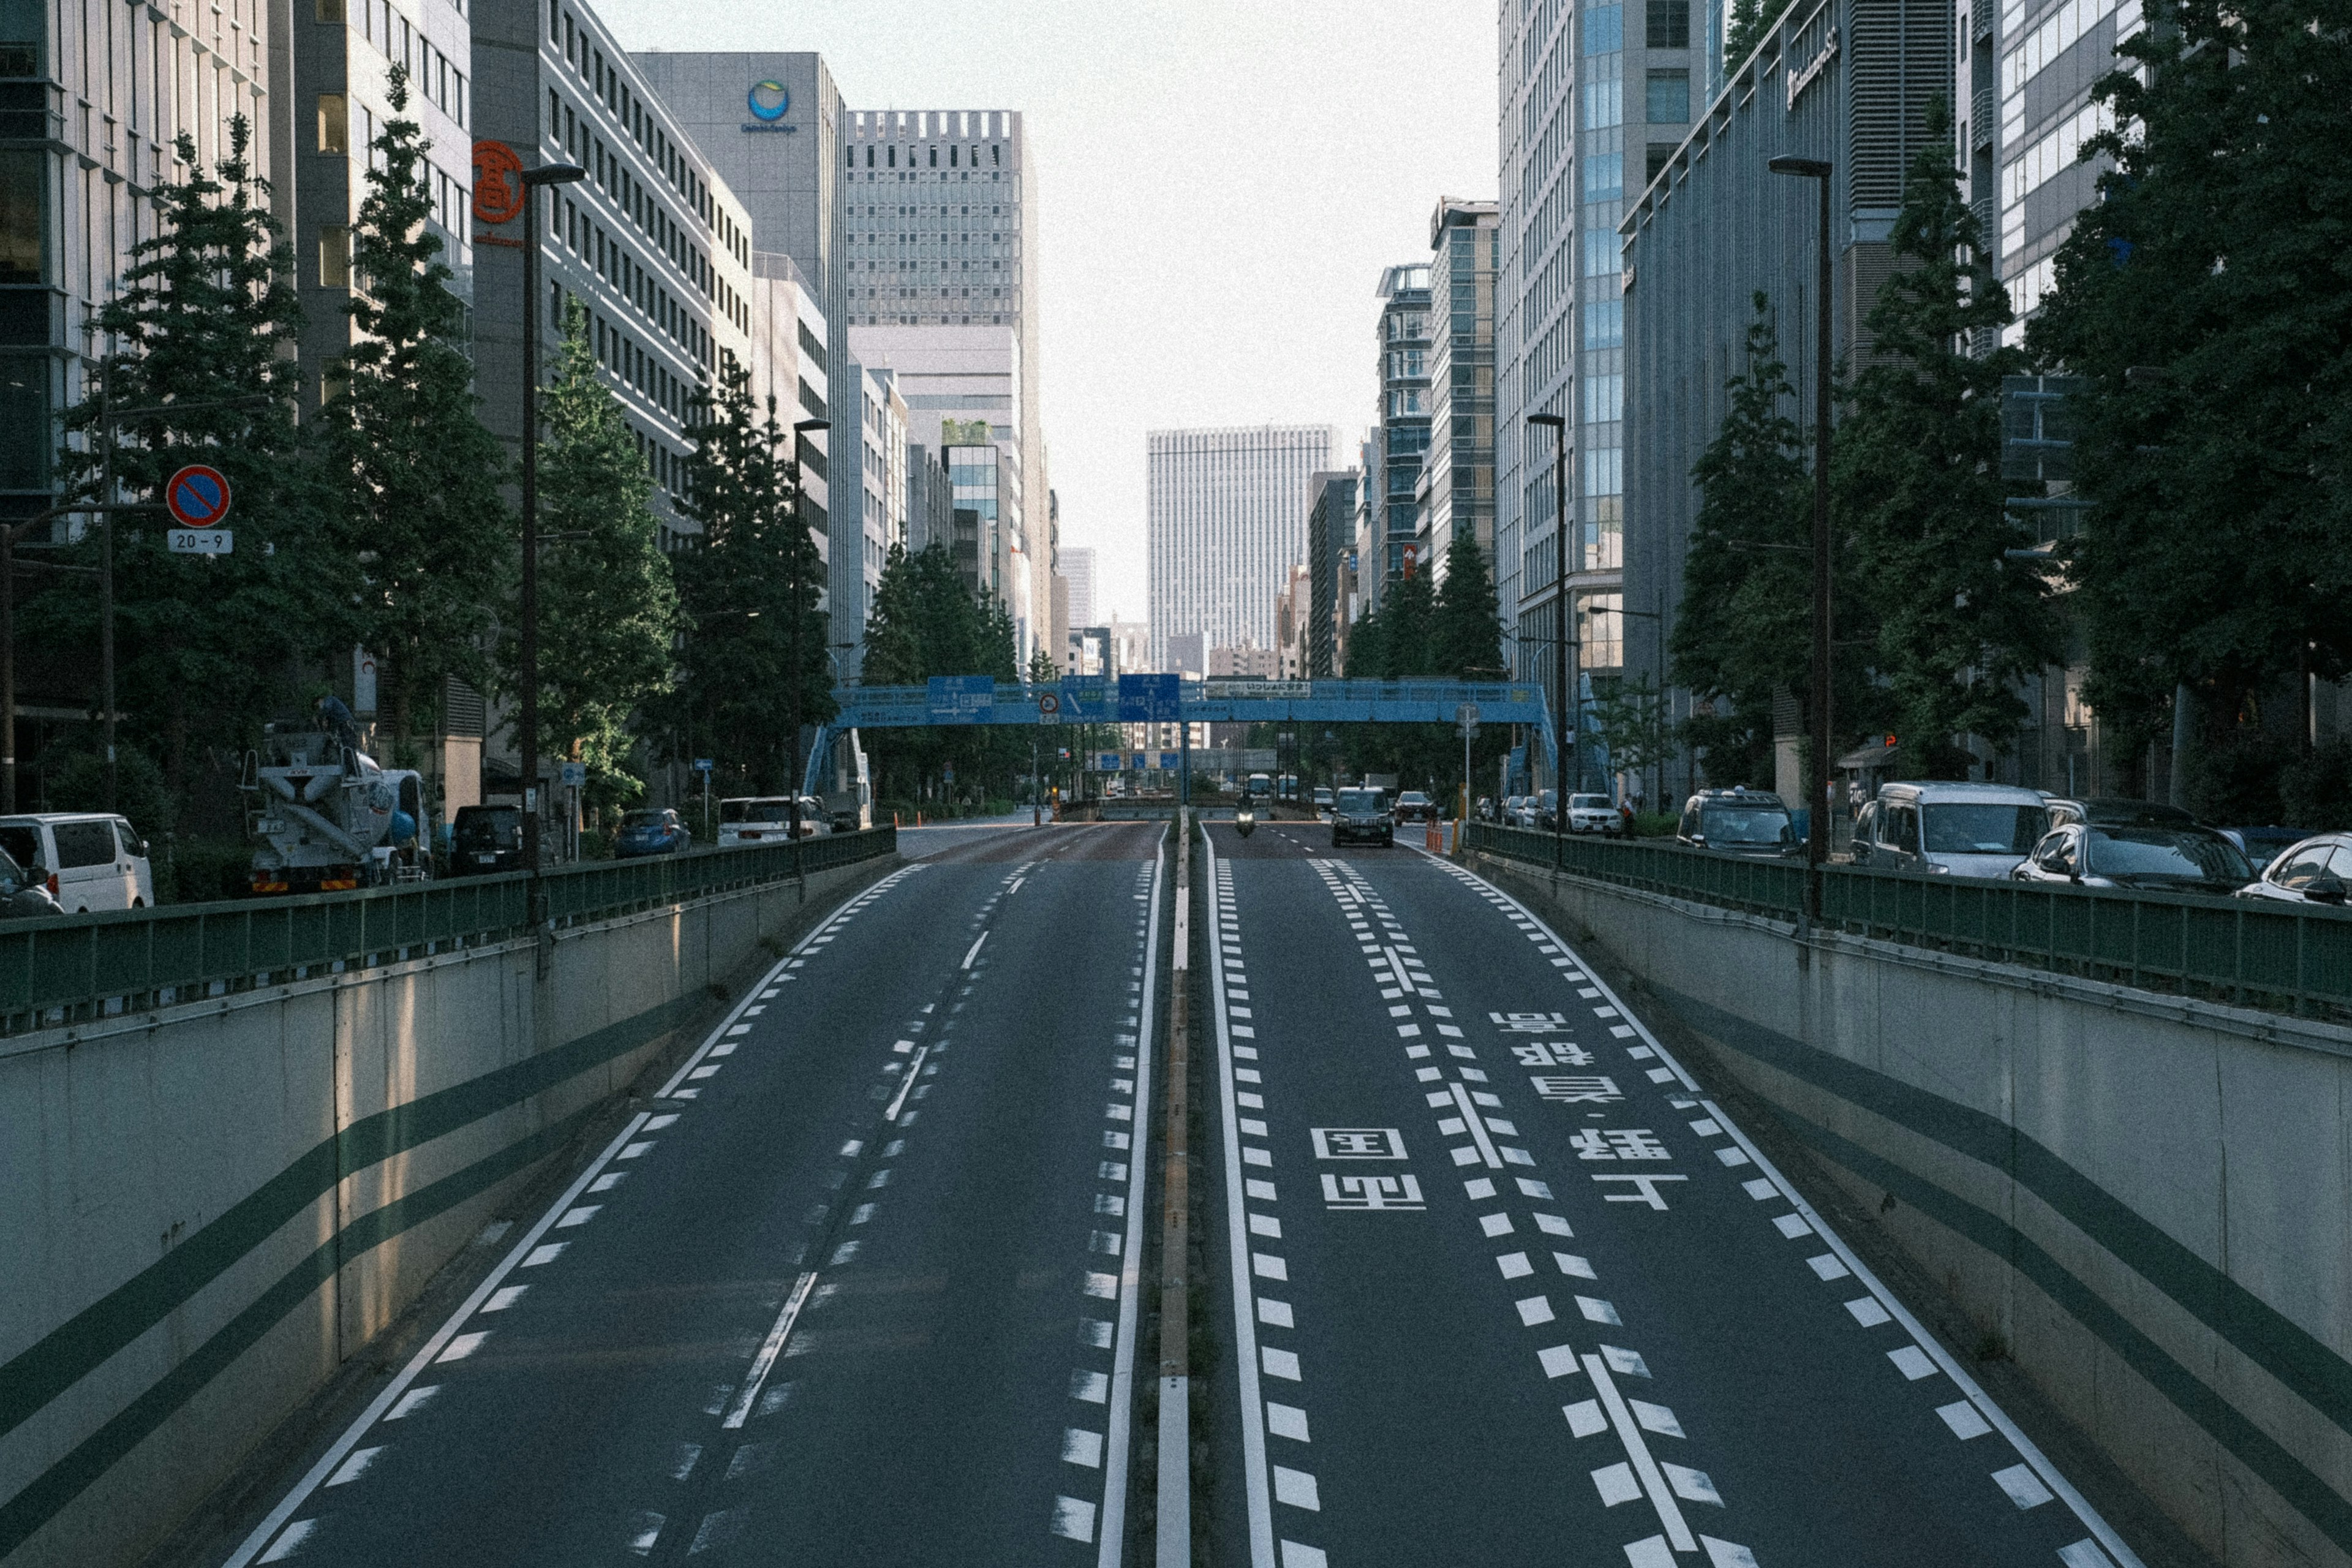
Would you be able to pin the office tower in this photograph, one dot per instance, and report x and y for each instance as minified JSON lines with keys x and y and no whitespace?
{"x":1331,"y":545}
{"x":942,"y":262}
{"x":982,"y":481}
{"x":1078,"y":566}
{"x":1224,"y":520}
{"x":874,"y":425}
{"x":75,"y":185}
{"x":1457,"y":478}
{"x":342,"y":53}
{"x":1401,"y":430}
{"x":651,"y":245}
{"x":1594,"y":99}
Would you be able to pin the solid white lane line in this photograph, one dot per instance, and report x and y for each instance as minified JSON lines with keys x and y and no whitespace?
{"x":1975,"y":1397}
{"x":905,"y":1084}
{"x":1114,"y":1508}
{"x":770,"y":1349}
{"x":426,"y":1353}
{"x":1245,"y":1358}
{"x":974,"y":952}
{"x":1637,"y":1449}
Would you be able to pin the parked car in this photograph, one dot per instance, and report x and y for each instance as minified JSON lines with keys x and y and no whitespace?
{"x":1954,"y":829}
{"x":1593,"y":814}
{"x":765,"y":819}
{"x":2114,"y":812}
{"x":1412,"y":805}
{"x":2170,"y":858}
{"x":86,"y":860}
{"x":1322,"y":797}
{"x":23,"y":896}
{"x":650,"y":832}
{"x":2316,"y":871}
{"x":1360,"y":814}
{"x":486,"y":838}
{"x":1740,"y":821}
{"x":2264,"y":845}
{"x":1536,"y":810}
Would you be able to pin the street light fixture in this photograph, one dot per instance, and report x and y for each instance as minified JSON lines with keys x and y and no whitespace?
{"x":1562,"y":743}
{"x":528,"y":723}
{"x":1817,"y":838}
{"x":800,"y":537}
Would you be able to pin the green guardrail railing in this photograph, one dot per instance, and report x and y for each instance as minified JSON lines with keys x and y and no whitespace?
{"x":2254,"y":953}
{"x":58,"y":971}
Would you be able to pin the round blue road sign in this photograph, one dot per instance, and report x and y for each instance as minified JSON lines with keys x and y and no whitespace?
{"x":198,"y":496}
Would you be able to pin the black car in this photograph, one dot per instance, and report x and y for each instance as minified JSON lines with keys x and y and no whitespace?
{"x":1750,"y":822}
{"x":486,"y":838}
{"x":2161,"y":860}
{"x":1360,"y":814}
{"x":22,"y":896}
{"x":1414,"y":806}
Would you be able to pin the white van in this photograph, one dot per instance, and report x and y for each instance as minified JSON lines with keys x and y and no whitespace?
{"x":1956,"y":829}
{"x":87,"y":859}
{"x":765,"y":819}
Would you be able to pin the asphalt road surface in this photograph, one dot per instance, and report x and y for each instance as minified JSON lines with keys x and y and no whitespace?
{"x":1505,"y":1286}
{"x":857,"y":1288}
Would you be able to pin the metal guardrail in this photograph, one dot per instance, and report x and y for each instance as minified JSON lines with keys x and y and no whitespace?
{"x":2278,"y":957}
{"x":58,"y":971}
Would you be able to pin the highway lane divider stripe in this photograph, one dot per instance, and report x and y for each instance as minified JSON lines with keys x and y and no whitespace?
{"x":431,"y":1351}
{"x":1840,"y":1261}
{"x":775,"y":974}
{"x":770,"y":1349}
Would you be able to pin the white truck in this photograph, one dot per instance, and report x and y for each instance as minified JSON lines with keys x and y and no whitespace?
{"x":844,"y":787}
{"x":327,"y":817}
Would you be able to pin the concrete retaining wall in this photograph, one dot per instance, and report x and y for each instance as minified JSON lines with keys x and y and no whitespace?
{"x":2148,"y":1198}
{"x":206,"y":1209}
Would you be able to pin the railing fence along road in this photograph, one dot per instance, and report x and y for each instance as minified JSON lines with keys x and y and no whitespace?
{"x":54,"y":973}
{"x":2251,"y":952}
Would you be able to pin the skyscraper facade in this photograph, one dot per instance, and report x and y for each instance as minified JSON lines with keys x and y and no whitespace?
{"x":1225,"y":516}
{"x":1457,"y":478}
{"x":1078,"y":566}
{"x":942,"y":251}
{"x":1400,"y":429}
{"x":1330,"y":542}
{"x":1594,"y":99}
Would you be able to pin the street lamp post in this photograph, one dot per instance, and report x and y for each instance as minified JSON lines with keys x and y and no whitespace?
{"x":1561,"y":741}
{"x":1817,"y":839}
{"x":800,"y":537}
{"x":527,"y":737}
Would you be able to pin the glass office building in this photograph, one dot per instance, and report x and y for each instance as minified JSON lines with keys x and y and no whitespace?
{"x":1457,"y":477}
{"x":1401,"y":432}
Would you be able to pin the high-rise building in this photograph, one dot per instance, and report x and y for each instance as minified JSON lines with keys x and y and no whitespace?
{"x":982,"y":479}
{"x":1457,"y":478}
{"x":1594,"y":98}
{"x":1078,"y":566}
{"x":878,"y":433}
{"x":941,"y":224}
{"x":1401,"y":429}
{"x":652,"y":247}
{"x":75,"y":183}
{"x":342,"y":55}
{"x":1330,"y":544}
{"x":1224,"y":517}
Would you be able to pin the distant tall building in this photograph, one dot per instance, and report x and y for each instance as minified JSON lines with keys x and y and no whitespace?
{"x":1594,"y":99}
{"x":1330,"y":544}
{"x":1457,"y":480}
{"x":1400,"y":430}
{"x":1225,"y":514}
{"x":943,"y":259}
{"x":1078,"y":566}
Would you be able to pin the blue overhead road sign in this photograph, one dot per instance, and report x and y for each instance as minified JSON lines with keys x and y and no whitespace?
{"x":1149,"y":698}
{"x":962,"y":697}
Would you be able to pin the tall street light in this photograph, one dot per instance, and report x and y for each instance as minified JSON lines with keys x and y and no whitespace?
{"x":1817,"y":839}
{"x":802,"y":429}
{"x":1561,"y":745}
{"x":532,"y":179}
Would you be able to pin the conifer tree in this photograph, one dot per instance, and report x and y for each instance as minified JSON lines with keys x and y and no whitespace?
{"x":419,"y":474}
{"x":608,"y":606}
{"x":206,"y":647}
{"x":1466,"y":632}
{"x":1915,"y":479}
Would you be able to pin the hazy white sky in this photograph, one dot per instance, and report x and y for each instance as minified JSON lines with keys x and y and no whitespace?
{"x":1220,"y":184}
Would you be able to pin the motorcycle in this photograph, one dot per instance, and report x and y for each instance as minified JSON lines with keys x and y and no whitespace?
{"x":1245,"y":822}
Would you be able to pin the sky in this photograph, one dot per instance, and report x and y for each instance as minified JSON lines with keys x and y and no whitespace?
{"x":1219,"y":182}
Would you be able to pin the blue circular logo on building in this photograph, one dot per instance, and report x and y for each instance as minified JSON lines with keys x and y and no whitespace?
{"x":769,"y":100}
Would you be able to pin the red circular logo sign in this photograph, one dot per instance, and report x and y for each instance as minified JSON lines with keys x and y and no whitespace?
{"x":498,"y":182}
{"x":198,"y":496}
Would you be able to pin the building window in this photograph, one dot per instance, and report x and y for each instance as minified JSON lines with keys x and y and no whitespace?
{"x":330,"y":11}
{"x":334,"y":123}
{"x":1605,"y":176}
{"x":334,"y":258}
{"x":1604,"y":29}
{"x":1604,"y":104}
{"x":23,"y":245}
{"x":1669,"y":98}
{"x":27,"y":435}
{"x":1669,"y":25}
